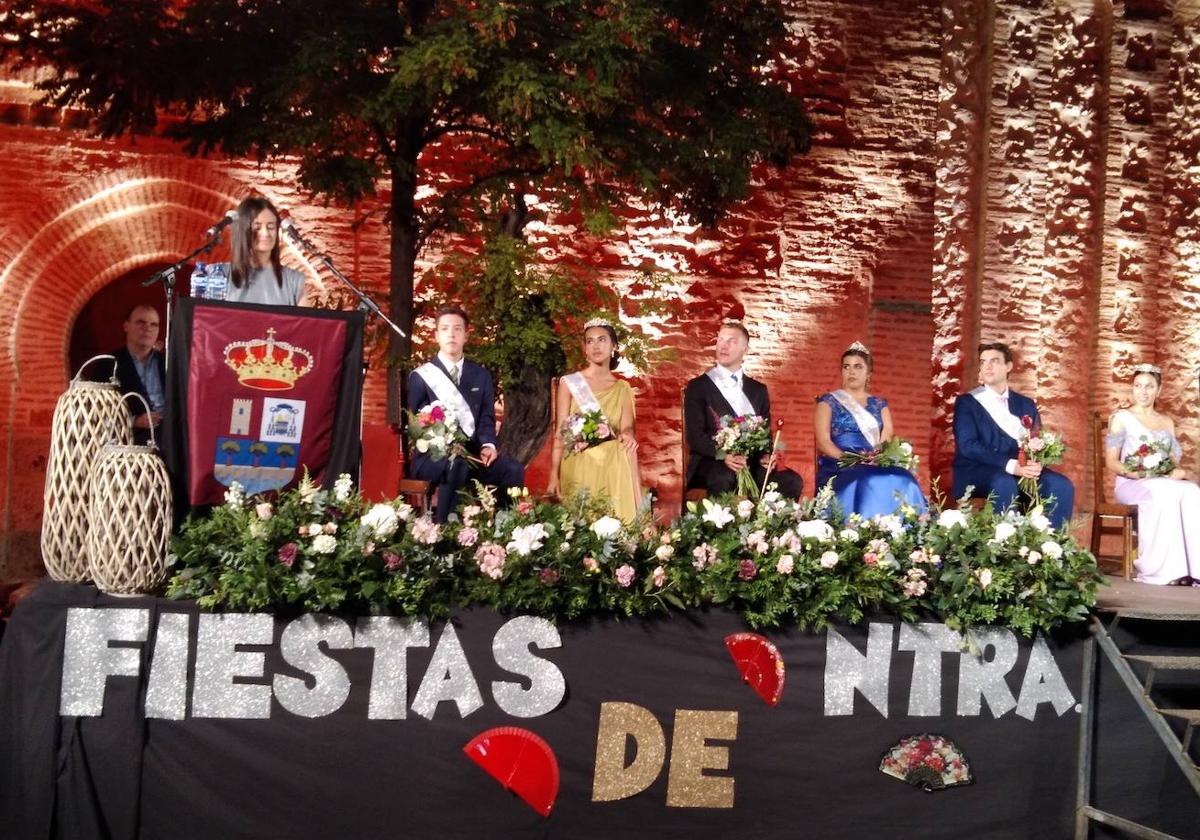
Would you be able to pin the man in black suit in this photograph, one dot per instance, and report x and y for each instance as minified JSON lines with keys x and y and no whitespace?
{"x":140,"y":369}
{"x":726,"y":390}
{"x":460,"y":383}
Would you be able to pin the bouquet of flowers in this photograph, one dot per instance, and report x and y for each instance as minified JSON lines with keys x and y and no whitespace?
{"x":434,"y":431}
{"x":1152,"y":459}
{"x":745,"y":434}
{"x":896,"y":452}
{"x":584,"y":430}
{"x":1038,"y":447}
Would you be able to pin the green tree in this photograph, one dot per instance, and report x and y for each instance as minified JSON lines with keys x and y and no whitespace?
{"x":672,"y":101}
{"x":284,"y":451}
{"x":230,"y":448}
{"x":258,"y":449}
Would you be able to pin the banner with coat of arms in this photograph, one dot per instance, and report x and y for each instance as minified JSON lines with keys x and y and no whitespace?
{"x":258,"y":394}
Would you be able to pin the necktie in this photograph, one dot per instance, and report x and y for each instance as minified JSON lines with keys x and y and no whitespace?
{"x":454,"y":374}
{"x":735,"y":379}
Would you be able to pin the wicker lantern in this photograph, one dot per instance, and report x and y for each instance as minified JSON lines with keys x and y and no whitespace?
{"x":88,"y":416}
{"x":130,"y":518}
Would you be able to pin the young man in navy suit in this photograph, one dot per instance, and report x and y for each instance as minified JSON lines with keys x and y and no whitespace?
{"x":987,"y":431}
{"x":725,"y":389}
{"x":466,"y":389}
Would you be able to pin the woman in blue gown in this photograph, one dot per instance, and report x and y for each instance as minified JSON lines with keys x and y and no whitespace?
{"x":853,"y":420}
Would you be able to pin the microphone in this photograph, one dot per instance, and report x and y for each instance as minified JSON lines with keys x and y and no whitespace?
{"x":226,"y":220}
{"x":289,"y":229}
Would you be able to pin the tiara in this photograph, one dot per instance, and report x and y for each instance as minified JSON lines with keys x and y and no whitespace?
{"x":858,"y":347}
{"x":598,"y":322}
{"x":1145,"y":368}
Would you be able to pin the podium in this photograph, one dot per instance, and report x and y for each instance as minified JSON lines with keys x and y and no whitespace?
{"x":259,"y":395}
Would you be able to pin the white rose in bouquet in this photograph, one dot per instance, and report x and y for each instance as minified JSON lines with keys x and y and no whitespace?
{"x":606,"y":527}
{"x":950,"y":518}
{"x":1004,"y":531}
{"x":382,"y":520}
{"x":1052,"y":549}
{"x":816,"y":529}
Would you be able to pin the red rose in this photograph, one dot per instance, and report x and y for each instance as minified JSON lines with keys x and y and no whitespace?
{"x":548,"y":576}
{"x":392,"y":561}
{"x":437,"y":414}
{"x":1026,"y":421}
{"x":924,"y":747}
{"x":1143,"y":450}
{"x":747,"y":570}
{"x":935,"y":762}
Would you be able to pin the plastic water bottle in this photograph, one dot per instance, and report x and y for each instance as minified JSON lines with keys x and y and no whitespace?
{"x":217,"y":282}
{"x":200,"y":280}
{"x":209,"y":281}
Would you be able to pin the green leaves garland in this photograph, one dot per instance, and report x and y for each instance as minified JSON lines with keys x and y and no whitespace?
{"x":775,"y":561}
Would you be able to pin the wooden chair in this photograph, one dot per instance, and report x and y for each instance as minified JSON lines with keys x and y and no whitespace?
{"x":415,"y":491}
{"x":695,"y":494}
{"x":1125,"y":516}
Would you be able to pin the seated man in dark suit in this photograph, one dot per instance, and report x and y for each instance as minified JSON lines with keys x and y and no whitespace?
{"x":726,"y":390}
{"x":987,"y":436}
{"x":466,"y":389}
{"x":140,"y":369}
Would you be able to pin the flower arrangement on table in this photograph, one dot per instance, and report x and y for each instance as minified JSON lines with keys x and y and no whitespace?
{"x":433,"y":430}
{"x":583,"y":430}
{"x":1037,"y":446}
{"x":743,"y":434}
{"x":776,"y":561}
{"x":1152,"y":459}
{"x":895,"y":452}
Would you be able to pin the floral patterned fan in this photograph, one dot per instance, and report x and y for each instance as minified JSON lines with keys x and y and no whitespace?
{"x":759,"y":663}
{"x":930,"y":762}
{"x":519,"y":760}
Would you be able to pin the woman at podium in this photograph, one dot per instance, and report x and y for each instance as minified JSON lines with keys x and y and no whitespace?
{"x":255,"y":273}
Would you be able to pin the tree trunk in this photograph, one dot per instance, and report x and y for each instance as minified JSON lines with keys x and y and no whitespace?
{"x":526,"y":415}
{"x":403,"y":259}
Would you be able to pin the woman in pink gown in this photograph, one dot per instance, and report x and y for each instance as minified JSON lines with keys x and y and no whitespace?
{"x":1168,"y":504}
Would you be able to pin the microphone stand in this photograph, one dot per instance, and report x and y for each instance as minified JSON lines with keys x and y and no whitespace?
{"x":167,"y":278}
{"x":364,"y":300}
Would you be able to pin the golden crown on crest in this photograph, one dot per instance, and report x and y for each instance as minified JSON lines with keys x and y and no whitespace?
{"x":267,"y":364}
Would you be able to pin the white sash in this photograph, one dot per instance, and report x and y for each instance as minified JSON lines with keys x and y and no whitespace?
{"x":867,"y":424}
{"x":732,"y":393}
{"x":449,"y":395}
{"x":997,"y":409}
{"x":582,"y":392}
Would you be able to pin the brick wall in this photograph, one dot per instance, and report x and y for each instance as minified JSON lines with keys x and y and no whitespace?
{"x":1004,"y":168}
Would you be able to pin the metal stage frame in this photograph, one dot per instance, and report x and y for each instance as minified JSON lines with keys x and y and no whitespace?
{"x":1129,"y":600}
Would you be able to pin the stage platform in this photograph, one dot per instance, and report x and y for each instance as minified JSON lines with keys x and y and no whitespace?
{"x":1145,"y":600}
{"x":329,"y":726}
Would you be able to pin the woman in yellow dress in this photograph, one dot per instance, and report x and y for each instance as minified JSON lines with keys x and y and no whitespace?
{"x":607,"y":469}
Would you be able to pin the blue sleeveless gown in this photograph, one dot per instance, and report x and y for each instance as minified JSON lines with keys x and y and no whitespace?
{"x":865,"y":490}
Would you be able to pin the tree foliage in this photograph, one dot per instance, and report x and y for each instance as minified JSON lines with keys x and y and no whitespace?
{"x":671,"y":101}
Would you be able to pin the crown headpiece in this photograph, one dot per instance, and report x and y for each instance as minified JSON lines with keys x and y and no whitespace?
{"x":858,"y":347}
{"x":598,"y":322}
{"x":1147,"y":368}
{"x":267,"y":364}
